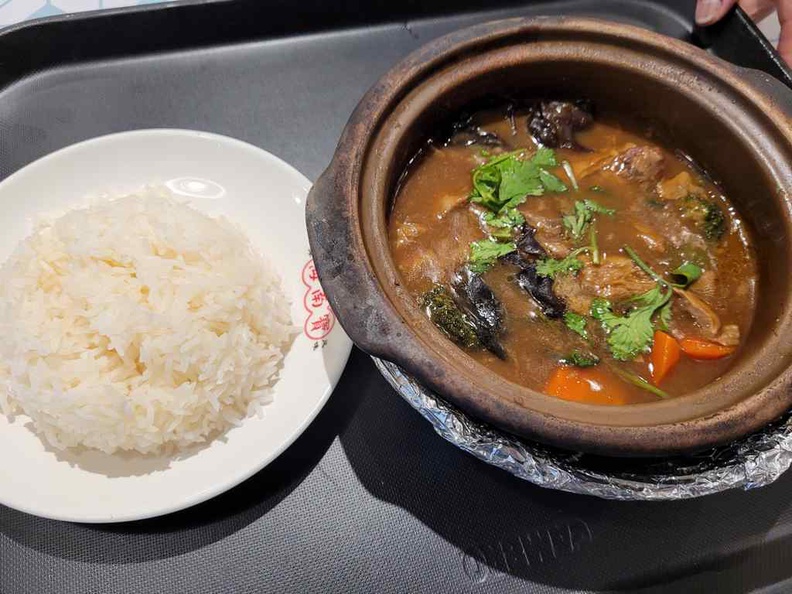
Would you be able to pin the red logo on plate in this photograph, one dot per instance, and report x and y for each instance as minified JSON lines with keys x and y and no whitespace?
{"x":320,"y":320}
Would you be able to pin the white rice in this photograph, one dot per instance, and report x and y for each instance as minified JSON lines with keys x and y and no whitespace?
{"x":138,"y":323}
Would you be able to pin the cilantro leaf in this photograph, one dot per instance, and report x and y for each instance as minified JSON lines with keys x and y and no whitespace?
{"x":631,"y":334}
{"x":576,"y":222}
{"x":551,"y":182}
{"x":576,"y":323}
{"x":579,"y":359}
{"x":500,"y":225}
{"x":519,"y":179}
{"x":654,"y":298}
{"x":484,"y":253}
{"x":505,"y":181}
{"x":596,"y":207}
{"x":602,"y":311}
{"x":582,"y":215}
{"x":506,"y":220}
{"x":632,"y":337}
{"x":664,"y":317}
{"x":486,"y":182}
{"x":544,"y":157}
{"x":551,"y":267}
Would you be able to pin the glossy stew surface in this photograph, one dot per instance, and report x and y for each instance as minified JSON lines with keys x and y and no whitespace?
{"x":575,"y":256}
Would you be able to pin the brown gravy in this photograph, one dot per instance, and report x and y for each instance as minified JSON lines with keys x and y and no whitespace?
{"x":433,"y":223}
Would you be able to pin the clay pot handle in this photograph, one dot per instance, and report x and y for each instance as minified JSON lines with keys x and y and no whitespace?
{"x":349,"y":283}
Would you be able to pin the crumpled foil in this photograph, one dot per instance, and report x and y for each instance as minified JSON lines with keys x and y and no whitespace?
{"x":752,"y":462}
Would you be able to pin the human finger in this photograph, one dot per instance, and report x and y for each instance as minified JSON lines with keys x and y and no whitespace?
{"x":758,"y":9}
{"x":785,"y":19}
{"x":711,"y":11}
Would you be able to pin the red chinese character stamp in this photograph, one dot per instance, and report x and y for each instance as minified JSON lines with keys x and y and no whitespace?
{"x":309,"y":274}
{"x":317,"y":298}
{"x":320,"y":319}
{"x":323,"y":324}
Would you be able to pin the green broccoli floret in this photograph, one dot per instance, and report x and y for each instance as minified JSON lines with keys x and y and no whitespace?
{"x":445,"y":314}
{"x":707,"y":216}
{"x":714,"y":223}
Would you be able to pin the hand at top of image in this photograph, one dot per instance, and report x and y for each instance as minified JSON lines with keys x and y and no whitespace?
{"x":709,"y":12}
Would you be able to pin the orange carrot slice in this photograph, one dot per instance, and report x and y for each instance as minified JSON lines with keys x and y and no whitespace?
{"x":665,"y":355}
{"x":590,"y":386}
{"x":699,"y":348}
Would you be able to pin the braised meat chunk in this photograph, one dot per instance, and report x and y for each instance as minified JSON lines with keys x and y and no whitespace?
{"x":642,"y":164}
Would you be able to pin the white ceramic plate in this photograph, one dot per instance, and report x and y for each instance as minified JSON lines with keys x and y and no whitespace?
{"x":218,"y":175}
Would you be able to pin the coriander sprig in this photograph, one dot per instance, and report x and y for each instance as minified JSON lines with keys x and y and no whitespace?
{"x":631,"y":334}
{"x":576,"y":323}
{"x":506,"y":180}
{"x":582,"y":214}
{"x":500,"y":185}
{"x":484,"y":254}
{"x":552,"y":267}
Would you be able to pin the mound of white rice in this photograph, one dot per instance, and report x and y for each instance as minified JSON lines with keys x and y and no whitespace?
{"x":138,"y":323}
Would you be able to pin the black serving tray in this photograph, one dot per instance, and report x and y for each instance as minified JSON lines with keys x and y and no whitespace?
{"x":369,"y":499}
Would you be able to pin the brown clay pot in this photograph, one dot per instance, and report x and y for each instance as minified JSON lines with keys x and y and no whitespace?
{"x":735,"y":122}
